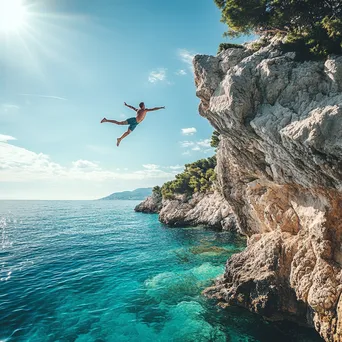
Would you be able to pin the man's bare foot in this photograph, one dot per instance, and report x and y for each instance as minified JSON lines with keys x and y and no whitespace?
{"x":103,"y":120}
{"x":118,"y":141}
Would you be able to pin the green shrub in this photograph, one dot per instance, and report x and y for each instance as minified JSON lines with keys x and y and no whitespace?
{"x":196,"y":177}
{"x":259,"y":44}
{"x":214,"y":142}
{"x":156,"y":191}
{"x":225,"y":46}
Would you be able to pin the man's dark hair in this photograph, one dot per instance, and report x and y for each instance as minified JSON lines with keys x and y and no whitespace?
{"x":141,"y":104}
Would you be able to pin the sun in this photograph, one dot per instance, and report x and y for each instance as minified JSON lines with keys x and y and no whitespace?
{"x":13,"y":15}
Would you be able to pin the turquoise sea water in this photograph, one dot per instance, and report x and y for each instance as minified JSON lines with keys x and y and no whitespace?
{"x":98,"y":271}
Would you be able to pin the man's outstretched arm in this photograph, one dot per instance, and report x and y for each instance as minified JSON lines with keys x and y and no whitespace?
{"x":155,"y":108}
{"x":130,"y":106}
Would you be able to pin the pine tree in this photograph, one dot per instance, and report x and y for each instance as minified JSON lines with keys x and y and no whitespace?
{"x":314,"y":25}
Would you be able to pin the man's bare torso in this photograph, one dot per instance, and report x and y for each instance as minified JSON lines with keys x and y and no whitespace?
{"x":141,"y":113}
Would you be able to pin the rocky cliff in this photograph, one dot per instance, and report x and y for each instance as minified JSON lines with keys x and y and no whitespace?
{"x":280,"y":169}
{"x":210,"y":209}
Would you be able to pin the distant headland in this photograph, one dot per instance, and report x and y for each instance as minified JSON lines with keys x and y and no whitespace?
{"x":137,"y":194}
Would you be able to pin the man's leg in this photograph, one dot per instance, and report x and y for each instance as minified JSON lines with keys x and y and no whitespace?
{"x":118,"y":140}
{"x":115,"y":122}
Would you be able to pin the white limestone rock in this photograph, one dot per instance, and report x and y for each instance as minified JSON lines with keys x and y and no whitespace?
{"x":279,"y":166}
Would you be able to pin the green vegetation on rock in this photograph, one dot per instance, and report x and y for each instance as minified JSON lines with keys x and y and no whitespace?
{"x":197,"y":177}
{"x":312,"y":27}
{"x":156,"y":191}
{"x":225,"y":46}
{"x":259,"y":44}
{"x":214,"y":142}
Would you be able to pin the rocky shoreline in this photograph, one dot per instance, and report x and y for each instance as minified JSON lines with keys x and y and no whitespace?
{"x":209,"y":209}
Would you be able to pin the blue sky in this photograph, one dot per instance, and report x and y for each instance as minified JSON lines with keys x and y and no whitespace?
{"x":70,"y":63}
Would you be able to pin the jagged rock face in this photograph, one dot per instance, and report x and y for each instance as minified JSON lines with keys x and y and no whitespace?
{"x":279,"y":166}
{"x":151,"y":205}
{"x":252,"y":279}
{"x":210,"y":209}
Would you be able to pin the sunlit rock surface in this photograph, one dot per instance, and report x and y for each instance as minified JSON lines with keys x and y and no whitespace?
{"x":209,"y":209}
{"x":280,"y":169}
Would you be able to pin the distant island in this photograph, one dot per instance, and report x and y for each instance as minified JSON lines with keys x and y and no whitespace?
{"x":137,"y":194}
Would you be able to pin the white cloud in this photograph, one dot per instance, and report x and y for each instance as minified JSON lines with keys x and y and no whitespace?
{"x":84,"y":164}
{"x":157,"y":75}
{"x":189,"y":131}
{"x":187,"y":57}
{"x":27,"y":174}
{"x":151,"y":166}
{"x":186,"y":153}
{"x":200,"y":145}
{"x":154,"y":173}
{"x":5,"y":138}
{"x":176,"y":167}
{"x":181,"y":72}
{"x":18,"y":164}
{"x":187,"y":143}
{"x":204,"y":143}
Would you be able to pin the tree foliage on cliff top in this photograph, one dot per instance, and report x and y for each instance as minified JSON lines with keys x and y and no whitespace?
{"x":197,"y":177}
{"x":311,"y":26}
{"x":156,"y":191}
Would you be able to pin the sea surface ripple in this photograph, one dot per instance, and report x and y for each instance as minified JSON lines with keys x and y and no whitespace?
{"x":97,"y":271}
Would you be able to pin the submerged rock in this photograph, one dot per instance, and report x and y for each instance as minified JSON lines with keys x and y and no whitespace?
{"x":209,"y":249}
{"x":279,"y":166}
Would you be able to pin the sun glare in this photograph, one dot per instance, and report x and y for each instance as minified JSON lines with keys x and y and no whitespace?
{"x":13,"y":15}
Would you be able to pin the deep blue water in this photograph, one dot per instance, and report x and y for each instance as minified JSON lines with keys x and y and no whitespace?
{"x":98,"y":271}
